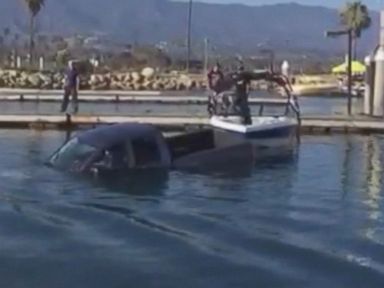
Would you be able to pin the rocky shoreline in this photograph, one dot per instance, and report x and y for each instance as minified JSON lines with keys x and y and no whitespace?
{"x":145,"y":80}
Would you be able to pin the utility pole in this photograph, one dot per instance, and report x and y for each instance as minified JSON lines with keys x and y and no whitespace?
{"x":206,"y":55}
{"x":188,"y":61}
{"x":349,"y":72}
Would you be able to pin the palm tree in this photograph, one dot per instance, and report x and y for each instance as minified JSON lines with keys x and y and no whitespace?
{"x":355,"y":16}
{"x":34,"y":7}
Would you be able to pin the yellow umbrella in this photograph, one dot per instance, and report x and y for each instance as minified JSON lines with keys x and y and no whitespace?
{"x":357,"y":68}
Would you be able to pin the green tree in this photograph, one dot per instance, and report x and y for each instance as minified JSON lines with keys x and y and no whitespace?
{"x":34,"y":7}
{"x":355,"y":16}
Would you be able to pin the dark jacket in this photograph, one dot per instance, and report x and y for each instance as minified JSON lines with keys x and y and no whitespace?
{"x":72,"y":78}
{"x":215,"y":80}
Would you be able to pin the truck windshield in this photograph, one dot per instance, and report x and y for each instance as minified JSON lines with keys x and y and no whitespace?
{"x":71,"y":153}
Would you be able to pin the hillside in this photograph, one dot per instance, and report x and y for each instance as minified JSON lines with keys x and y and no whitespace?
{"x":231,"y":27}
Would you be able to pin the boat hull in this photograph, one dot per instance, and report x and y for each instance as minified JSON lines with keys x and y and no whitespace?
{"x":267,"y":137}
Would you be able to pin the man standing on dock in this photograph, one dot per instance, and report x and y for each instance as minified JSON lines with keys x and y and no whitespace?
{"x":71,"y":87}
{"x":215,"y":78}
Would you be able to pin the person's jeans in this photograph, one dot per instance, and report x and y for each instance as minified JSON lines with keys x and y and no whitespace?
{"x":242,"y":107}
{"x":70,"y":91}
{"x":211,"y":108}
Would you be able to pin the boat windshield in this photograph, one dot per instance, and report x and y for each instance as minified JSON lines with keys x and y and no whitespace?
{"x":70,"y":153}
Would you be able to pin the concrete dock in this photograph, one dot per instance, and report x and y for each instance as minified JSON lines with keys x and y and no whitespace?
{"x":311,"y":125}
{"x":147,"y":97}
{"x":182,"y":100}
{"x":178,"y":112}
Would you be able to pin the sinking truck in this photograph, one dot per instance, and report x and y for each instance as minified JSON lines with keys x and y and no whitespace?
{"x":114,"y":149}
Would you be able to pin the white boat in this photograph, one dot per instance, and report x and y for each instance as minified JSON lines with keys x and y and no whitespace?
{"x":261,"y":126}
{"x":264,"y":133}
{"x":357,"y":90}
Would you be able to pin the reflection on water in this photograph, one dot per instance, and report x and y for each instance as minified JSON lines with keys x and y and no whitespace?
{"x":312,"y":220}
{"x":140,"y":183}
{"x":374,"y":183}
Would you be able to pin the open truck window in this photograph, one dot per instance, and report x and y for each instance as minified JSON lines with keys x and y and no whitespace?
{"x":146,"y":152}
{"x":115,"y":157}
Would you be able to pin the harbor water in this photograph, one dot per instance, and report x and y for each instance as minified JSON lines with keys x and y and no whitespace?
{"x":312,"y":106}
{"x":311,"y":220}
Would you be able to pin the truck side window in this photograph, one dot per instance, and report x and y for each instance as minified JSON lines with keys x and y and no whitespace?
{"x":146,"y":152}
{"x":114,"y":157}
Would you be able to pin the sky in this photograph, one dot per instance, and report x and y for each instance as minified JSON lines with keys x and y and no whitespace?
{"x":372,"y":4}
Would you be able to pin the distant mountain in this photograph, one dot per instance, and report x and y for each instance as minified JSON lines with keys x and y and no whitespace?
{"x":231,"y":27}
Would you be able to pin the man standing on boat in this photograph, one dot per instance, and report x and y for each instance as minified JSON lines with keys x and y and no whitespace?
{"x":71,"y":88}
{"x":215,"y":79}
{"x":242,"y":81}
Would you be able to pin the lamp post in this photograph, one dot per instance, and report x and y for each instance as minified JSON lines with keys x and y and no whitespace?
{"x":188,"y":61}
{"x":349,"y":34}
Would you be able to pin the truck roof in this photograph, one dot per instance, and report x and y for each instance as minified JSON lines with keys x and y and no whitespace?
{"x":108,"y":136}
